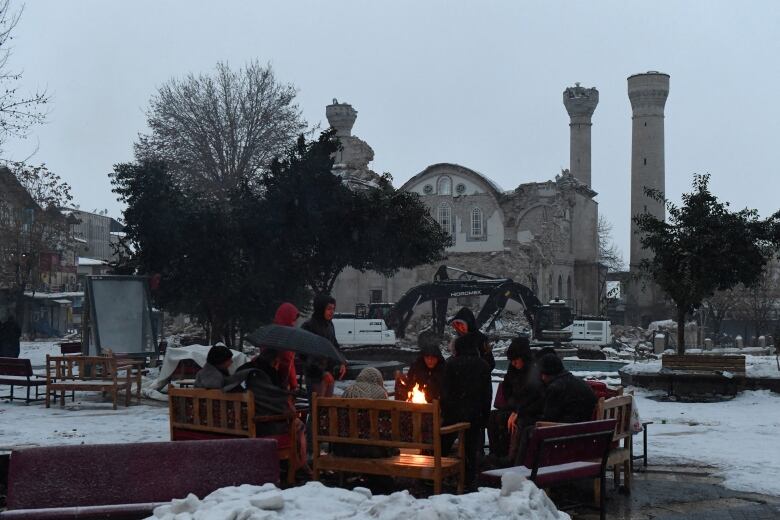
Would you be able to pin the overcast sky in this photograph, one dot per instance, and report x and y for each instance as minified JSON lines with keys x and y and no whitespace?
{"x":474,"y":83}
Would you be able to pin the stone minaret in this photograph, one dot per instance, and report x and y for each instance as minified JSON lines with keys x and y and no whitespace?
{"x":580,"y":103}
{"x":647,"y":93}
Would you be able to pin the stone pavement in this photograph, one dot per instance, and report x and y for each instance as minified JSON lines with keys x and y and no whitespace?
{"x":682,"y":493}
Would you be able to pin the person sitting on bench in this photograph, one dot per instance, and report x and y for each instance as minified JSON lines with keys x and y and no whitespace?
{"x":522,"y":399}
{"x":427,"y":371}
{"x":215,"y":374}
{"x":567,"y":399}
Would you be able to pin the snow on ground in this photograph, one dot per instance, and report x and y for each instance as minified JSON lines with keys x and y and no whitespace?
{"x":518,"y":499}
{"x":738,"y":437}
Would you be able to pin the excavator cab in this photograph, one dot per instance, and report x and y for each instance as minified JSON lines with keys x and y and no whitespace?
{"x":551,"y":321}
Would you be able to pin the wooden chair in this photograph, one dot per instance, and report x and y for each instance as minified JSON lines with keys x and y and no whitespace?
{"x":198,"y":414}
{"x":619,"y":409}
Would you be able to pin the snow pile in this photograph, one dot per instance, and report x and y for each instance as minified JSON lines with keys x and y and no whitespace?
{"x":518,"y":499}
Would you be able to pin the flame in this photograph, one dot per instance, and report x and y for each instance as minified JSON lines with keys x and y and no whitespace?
{"x":416,"y":395}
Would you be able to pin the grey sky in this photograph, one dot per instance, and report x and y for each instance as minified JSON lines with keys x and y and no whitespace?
{"x":474,"y":83}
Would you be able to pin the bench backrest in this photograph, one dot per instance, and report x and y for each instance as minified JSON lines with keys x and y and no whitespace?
{"x":15,"y":367}
{"x":619,"y":409}
{"x":377,"y":422}
{"x":704,"y":363}
{"x":212,"y":411}
{"x":561,"y":444}
{"x":105,"y":474}
{"x":70,"y":347}
{"x":69,"y":368}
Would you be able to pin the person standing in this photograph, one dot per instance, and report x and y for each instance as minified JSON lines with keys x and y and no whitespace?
{"x":466,"y":394}
{"x":319,"y":371}
{"x":10,"y":334}
{"x":465,"y":325}
{"x":286,"y":315}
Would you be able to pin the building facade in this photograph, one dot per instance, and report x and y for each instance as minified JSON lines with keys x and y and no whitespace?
{"x":541,"y":234}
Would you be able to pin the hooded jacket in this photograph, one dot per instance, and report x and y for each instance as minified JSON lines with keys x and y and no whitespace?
{"x":317,"y":324}
{"x":467,"y":390}
{"x":286,"y":315}
{"x":430,"y":380}
{"x":474,"y":336}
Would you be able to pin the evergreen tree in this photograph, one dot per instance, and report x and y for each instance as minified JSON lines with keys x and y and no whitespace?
{"x":703,"y":247}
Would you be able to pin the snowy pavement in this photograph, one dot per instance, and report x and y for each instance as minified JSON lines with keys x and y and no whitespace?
{"x":737,"y":437}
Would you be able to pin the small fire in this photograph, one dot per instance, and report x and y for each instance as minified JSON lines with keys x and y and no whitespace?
{"x":416,"y":395}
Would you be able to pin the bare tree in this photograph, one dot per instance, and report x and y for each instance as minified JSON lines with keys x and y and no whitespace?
{"x":17,"y":112}
{"x":760,"y":303}
{"x":609,"y":254}
{"x":718,"y":307}
{"x":31,"y":226}
{"x":216,"y":131}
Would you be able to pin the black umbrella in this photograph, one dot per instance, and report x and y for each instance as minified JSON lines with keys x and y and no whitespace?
{"x":297,"y":340}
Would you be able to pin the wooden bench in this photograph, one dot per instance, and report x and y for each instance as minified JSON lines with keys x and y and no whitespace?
{"x":198,"y":413}
{"x":619,"y":457}
{"x":87,"y":373}
{"x":564,"y":453}
{"x":18,"y":372}
{"x":691,"y":374}
{"x":122,"y":481}
{"x":386,"y":424}
{"x":704,"y":363}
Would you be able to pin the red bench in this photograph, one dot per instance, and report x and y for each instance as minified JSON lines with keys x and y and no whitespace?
{"x":18,"y":372}
{"x":564,"y":453}
{"x":122,"y":481}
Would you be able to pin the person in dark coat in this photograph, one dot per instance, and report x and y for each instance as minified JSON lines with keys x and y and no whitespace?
{"x":568,"y":399}
{"x":466,"y":396}
{"x":465,"y":325}
{"x":427,"y":370}
{"x":272,"y":398}
{"x":10,"y":334}
{"x":522,"y":398}
{"x":319,"y":372}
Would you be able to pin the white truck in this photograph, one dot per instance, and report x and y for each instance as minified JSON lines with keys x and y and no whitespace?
{"x":351,"y":330}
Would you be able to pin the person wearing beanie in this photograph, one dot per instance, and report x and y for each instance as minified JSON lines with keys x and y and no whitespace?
{"x":521,"y":402}
{"x":465,"y":325}
{"x":215,"y":373}
{"x":427,"y":371}
{"x":568,"y":399}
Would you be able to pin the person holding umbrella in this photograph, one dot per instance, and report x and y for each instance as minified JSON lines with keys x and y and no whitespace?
{"x":286,"y":315}
{"x":319,"y":371}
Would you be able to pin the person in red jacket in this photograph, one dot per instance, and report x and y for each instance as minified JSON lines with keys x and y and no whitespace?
{"x":286,"y":315}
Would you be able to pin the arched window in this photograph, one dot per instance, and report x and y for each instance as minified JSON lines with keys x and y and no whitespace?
{"x":477,"y":226}
{"x":549,"y":287}
{"x":568,"y":287}
{"x":444,"y":217}
{"x":444,"y":185}
{"x":560,"y":287}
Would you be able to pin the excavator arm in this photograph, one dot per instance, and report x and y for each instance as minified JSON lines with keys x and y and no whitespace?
{"x":546,"y":321}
